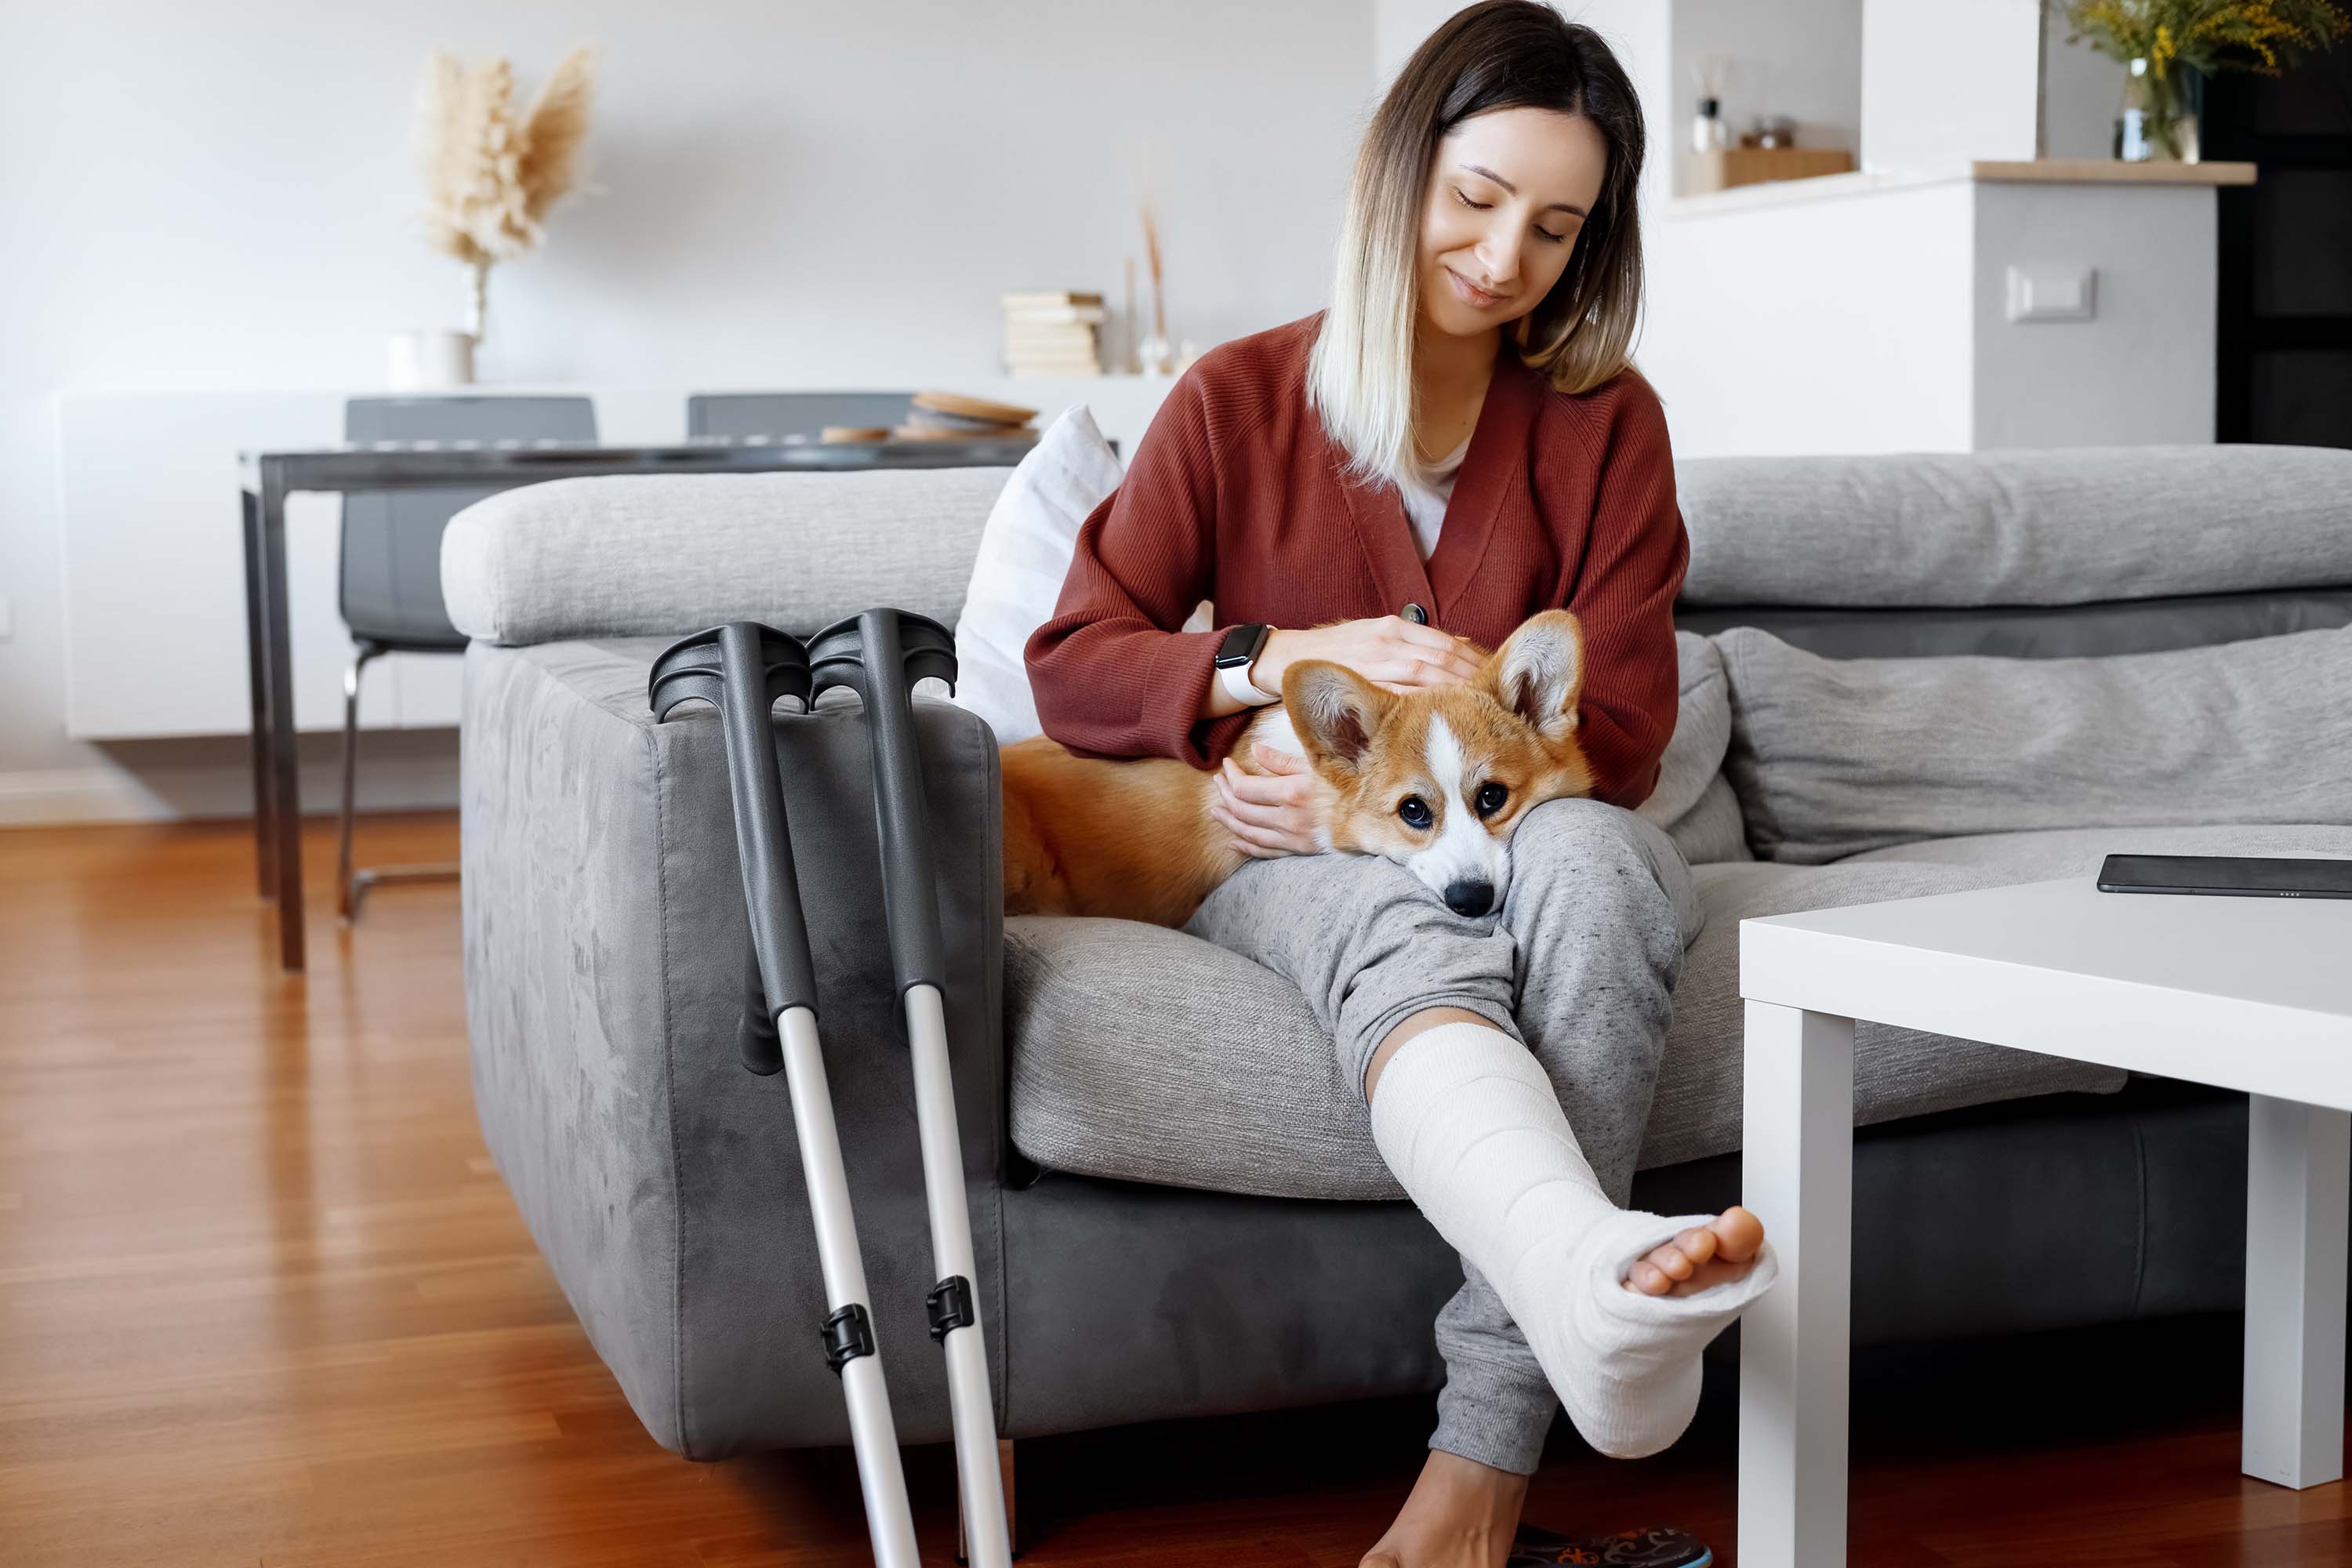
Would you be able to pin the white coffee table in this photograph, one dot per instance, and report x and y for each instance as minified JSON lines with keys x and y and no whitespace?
{"x":2246,"y":994}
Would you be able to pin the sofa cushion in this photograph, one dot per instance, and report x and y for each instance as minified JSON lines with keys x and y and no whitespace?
{"x":2068,"y":527}
{"x":1691,"y":797}
{"x":1832,"y":758}
{"x":1150,"y":1055}
{"x":664,"y":555}
{"x":1024,"y":553}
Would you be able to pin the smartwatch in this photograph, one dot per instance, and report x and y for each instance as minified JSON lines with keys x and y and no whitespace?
{"x":1239,"y":650}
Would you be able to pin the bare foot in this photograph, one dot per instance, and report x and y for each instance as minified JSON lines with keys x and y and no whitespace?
{"x":1461,"y":1514}
{"x":1713,"y":1254}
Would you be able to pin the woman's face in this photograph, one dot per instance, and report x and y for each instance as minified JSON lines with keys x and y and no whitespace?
{"x":1508,"y":194}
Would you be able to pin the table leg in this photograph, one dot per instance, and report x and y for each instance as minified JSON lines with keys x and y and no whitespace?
{"x":2298,"y":1176}
{"x":1796,"y":1174}
{"x":286,"y":790}
{"x":256,"y":660}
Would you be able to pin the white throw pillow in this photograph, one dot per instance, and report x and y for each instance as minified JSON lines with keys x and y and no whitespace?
{"x":1024,"y":554}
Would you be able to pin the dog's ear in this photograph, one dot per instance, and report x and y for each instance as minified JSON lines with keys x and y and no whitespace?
{"x":1539,"y":673}
{"x":1334,"y":711}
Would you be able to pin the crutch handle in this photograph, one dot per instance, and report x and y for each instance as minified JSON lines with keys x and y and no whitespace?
{"x":881,"y":655}
{"x":741,"y":668}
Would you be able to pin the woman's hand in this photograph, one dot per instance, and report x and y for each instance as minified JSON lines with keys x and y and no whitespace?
{"x":1273,"y":814}
{"x":1387,"y":650}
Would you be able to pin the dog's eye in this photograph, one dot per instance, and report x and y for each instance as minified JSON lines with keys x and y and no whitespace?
{"x":1415,"y":811}
{"x":1491,"y":797}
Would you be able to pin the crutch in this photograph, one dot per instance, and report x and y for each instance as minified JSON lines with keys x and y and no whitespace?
{"x":881,"y":655}
{"x":741,"y":670}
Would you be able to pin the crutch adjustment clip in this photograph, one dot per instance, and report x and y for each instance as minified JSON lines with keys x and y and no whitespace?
{"x":848,"y":1334}
{"x":950,"y":1305}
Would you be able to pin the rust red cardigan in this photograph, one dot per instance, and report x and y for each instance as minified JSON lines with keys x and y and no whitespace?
{"x":1235,"y":496}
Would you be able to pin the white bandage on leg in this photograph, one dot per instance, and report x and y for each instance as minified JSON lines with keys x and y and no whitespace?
{"x":1471,"y":1126}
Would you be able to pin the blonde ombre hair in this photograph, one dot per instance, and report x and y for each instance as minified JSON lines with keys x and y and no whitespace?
{"x":1503,"y":54}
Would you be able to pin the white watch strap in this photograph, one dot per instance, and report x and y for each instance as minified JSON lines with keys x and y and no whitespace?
{"x":1235,"y":680}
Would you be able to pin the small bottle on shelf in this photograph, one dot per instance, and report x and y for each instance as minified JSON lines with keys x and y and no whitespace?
{"x":1708,"y":132}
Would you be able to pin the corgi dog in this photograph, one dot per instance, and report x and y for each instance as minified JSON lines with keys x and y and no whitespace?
{"x":1433,"y":779}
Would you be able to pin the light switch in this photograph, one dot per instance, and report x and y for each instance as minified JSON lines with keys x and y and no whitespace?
{"x":2051,"y":291}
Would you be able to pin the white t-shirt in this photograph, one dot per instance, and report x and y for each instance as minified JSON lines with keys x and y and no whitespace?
{"x":1425,"y":502}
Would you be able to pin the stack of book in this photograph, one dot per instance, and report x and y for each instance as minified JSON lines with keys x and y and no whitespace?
{"x":1051,"y":332}
{"x":952,"y":417}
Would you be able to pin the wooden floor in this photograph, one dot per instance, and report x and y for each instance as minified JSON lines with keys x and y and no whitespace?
{"x":263,"y":1299}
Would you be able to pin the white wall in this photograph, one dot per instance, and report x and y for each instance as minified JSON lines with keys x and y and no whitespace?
{"x":1947,"y":82}
{"x":794,"y":193}
{"x":1836,"y":324}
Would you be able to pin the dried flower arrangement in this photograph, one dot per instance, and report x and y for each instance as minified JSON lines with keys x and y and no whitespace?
{"x":490,"y":175}
{"x":1154,"y":353}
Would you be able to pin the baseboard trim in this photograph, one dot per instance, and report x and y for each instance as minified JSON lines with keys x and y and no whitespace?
{"x":75,"y":796}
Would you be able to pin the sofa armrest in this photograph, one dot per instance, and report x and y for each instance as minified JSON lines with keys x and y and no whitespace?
{"x":664,"y":555}
{"x":605,"y":944}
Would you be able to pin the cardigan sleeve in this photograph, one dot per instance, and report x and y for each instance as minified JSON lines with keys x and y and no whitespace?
{"x":1624,"y":598}
{"x":1111,"y":673}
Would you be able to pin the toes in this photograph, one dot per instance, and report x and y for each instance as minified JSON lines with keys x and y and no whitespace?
{"x":1671,"y":1261}
{"x":1648,"y":1279}
{"x":1738,"y":1234}
{"x":1697,"y":1245}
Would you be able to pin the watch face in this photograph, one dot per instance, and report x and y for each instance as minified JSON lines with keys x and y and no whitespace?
{"x":1240,"y":646}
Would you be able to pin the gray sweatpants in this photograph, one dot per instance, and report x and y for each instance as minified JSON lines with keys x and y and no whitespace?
{"x":1581,"y":966}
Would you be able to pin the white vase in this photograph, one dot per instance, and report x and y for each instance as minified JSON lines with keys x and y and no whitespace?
{"x":423,"y":362}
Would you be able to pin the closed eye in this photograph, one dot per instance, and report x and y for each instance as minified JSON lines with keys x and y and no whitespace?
{"x":1483,"y":207}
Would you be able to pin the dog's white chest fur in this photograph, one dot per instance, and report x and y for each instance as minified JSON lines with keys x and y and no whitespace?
{"x":1272,"y":728}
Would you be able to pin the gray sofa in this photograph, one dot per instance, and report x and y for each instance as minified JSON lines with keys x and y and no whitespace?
{"x":1177,"y":1211}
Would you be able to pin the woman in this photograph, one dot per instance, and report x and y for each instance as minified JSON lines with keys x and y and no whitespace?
{"x":1459,"y":440}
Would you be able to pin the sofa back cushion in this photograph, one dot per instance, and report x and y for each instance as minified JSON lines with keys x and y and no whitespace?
{"x":2015,"y":527}
{"x":1832,"y":758}
{"x":664,"y":555}
{"x":1024,"y":554}
{"x":1693,"y":802}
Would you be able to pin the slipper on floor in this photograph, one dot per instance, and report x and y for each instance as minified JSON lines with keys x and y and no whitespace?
{"x":1628,"y":1549}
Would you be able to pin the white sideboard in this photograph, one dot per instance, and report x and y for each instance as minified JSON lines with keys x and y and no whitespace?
{"x":153,"y":563}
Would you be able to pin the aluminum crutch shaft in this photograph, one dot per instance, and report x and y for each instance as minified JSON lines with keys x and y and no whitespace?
{"x":754,"y":666}
{"x":883,"y":653}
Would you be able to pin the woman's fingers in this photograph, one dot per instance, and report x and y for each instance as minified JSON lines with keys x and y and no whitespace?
{"x":1424,"y":636}
{"x":1428,"y":643}
{"x":1412,"y":670}
{"x":1452,"y":662}
{"x":1250,"y":840}
{"x":1259,"y":789}
{"x":1285,"y":819}
{"x":1282,"y":826}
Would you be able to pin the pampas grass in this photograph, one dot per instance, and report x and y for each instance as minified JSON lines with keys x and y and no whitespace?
{"x":490,"y":175}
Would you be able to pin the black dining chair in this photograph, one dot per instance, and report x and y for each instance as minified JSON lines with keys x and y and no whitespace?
{"x":746,"y":415}
{"x":390,"y":576}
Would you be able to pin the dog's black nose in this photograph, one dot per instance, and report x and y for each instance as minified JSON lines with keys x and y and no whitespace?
{"x":1466,"y":897}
